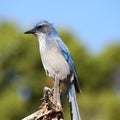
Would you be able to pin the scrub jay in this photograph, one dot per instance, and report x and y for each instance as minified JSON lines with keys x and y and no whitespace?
{"x":58,"y":63}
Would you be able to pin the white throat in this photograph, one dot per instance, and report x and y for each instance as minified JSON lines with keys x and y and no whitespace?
{"x":42,"y":42}
{"x":41,"y":36}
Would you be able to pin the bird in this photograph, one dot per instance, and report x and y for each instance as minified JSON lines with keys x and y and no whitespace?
{"x":57,"y":62}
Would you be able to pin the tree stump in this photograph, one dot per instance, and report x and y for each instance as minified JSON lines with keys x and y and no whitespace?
{"x":48,"y":110}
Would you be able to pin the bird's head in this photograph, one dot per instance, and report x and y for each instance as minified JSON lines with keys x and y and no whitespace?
{"x":42,"y":28}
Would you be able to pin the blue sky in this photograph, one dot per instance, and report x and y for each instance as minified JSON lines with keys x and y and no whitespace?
{"x":97,"y":22}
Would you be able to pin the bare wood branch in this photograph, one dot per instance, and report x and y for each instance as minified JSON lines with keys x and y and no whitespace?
{"x":48,"y":110}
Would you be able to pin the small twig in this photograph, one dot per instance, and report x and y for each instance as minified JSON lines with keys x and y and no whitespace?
{"x":31,"y":117}
{"x":45,"y":114}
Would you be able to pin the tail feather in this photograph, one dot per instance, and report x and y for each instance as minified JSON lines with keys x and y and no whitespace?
{"x":74,"y":110}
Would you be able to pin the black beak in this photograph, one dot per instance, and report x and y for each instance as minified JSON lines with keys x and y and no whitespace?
{"x":30,"y":31}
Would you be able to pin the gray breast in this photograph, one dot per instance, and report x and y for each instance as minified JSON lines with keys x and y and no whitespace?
{"x":54,"y":62}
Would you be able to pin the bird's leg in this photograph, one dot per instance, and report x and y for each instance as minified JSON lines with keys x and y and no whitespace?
{"x":56,"y":94}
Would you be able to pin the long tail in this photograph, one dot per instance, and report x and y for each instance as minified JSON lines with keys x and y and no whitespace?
{"x":74,"y":110}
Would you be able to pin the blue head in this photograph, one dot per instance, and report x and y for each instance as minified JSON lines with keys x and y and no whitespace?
{"x":43,"y":27}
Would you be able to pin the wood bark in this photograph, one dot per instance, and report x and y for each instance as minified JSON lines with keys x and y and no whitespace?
{"x":48,"y":110}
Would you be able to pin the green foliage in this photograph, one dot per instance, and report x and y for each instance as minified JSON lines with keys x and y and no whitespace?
{"x":102,"y":106}
{"x":22,"y":76}
{"x":10,"y":105}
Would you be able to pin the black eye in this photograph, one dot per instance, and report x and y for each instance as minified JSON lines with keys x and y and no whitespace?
{"x":43,"y":28}
{"x":39,"y":27}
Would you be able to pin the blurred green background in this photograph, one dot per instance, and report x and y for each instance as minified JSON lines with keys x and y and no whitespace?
{"x":22,"y":77}
{"x":90,"y":29}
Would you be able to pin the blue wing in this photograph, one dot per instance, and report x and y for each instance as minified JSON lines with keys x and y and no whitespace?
{"x":64,"y":50}
{"x":66,"y":54}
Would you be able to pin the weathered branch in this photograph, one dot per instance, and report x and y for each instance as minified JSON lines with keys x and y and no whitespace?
{"x":48,"y":110}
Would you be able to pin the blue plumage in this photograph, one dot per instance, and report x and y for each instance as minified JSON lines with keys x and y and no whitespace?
{"x":42,"y":22}
{"x":66,"y":54}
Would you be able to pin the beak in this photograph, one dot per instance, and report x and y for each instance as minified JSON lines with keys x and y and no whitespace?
{"x":30,"y":31}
